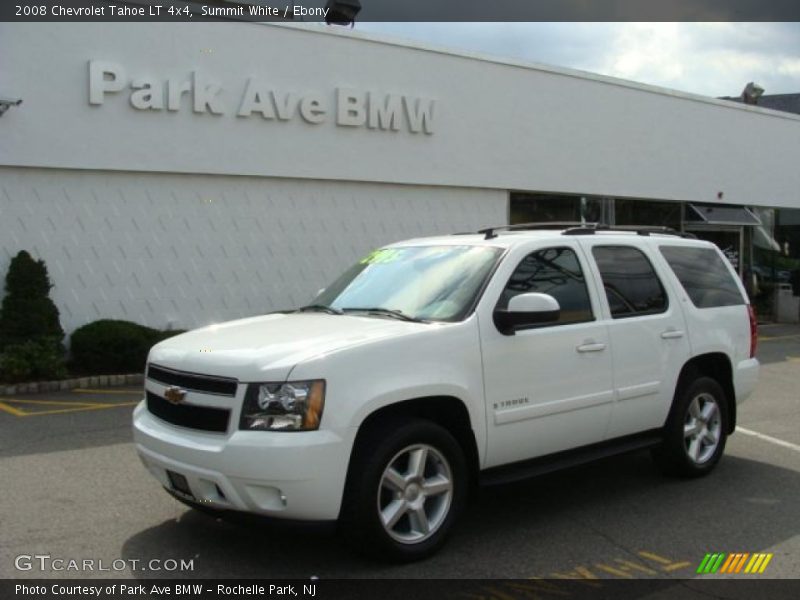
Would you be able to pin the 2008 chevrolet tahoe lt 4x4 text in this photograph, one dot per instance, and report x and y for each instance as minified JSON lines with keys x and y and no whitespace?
{"x":435,"y":363}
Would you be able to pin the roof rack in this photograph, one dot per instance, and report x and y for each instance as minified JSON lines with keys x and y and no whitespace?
{"x":645,"y":230}
{"x":490,"y":232}
{"x":578,"y":228}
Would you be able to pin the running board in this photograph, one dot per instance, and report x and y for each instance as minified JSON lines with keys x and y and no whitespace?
{"x":569,"y":458}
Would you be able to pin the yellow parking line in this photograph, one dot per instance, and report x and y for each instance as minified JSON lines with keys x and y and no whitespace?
{"x":79,"y":409}
{"x":72,"y":406}
{"x":669,"y":565}
{"x":770,"y":338}
{"x":11,"y":410}
{"x":52,"y":402}
{"x":60,"y":411}
{"x":655,"y":557}
{"x":104,"y":391}
{"x":69,"y":410}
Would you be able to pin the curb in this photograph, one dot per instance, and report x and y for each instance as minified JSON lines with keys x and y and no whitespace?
{"x":96,"y":381}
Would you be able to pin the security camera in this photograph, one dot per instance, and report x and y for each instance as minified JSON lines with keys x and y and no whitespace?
{"x":751,"y":93}
{"x":6,"y":103}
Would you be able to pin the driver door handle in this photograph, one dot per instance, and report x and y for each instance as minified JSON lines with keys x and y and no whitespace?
{"x":591,"y":346}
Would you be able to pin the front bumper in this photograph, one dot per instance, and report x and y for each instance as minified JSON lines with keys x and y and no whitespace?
{"x":291,"y":475}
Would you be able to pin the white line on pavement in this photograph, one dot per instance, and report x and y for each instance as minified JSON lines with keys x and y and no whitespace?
{"x":769,"y":438}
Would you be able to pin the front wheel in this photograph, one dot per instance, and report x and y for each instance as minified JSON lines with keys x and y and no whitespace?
{"x":406,"y":485}
{"x":695,"y":435}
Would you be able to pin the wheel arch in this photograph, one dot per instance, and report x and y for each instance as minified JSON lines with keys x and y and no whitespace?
{"x":448,"y":412}
{"x":716,"y":365}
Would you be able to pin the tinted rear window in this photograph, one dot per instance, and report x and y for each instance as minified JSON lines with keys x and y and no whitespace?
{"x":703,"y":274}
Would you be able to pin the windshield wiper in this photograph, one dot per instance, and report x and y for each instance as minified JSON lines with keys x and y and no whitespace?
{"x":397,"y":314}
{"x":320,"y":308}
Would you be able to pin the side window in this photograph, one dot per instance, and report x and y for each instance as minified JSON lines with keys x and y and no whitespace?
{"x":704,"y":276}
{"x":554,"y":271}
{"x":632,"y":286}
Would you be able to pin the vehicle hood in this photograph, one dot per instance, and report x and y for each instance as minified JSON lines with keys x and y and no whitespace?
{"x":271,"y":345}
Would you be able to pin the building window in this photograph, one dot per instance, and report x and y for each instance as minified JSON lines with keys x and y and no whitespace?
{"x":548,"y":208}
{"x":647,"y":212}
{"x":543,"y":208}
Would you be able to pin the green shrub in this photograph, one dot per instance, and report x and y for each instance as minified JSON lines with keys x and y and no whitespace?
{"x":111,"y":347}
{"x":27,"y":312}
{"x":34,"y":360}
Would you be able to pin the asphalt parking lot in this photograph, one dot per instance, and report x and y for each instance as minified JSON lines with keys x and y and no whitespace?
{"x":73,"y":489}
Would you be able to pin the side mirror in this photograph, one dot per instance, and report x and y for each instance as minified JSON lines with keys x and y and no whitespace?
{"x":525,"y":310}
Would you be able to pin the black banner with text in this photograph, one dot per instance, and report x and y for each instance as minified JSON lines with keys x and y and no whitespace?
{"x":416,"y":589}
{"x":405,"y":11}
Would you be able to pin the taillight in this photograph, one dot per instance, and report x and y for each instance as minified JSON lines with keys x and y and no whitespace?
{"x":753,"y":330}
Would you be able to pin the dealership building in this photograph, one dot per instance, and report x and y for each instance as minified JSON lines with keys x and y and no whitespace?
{"x":179,"y":174}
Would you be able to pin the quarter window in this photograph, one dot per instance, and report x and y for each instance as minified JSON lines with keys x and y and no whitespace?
{"x":554,"y":271}
{"x":632,"y":286}
{"x":704,"y":276}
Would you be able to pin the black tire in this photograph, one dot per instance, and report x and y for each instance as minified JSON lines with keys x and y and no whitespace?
{"x":388,"y":444}
{"x":686,"y":454}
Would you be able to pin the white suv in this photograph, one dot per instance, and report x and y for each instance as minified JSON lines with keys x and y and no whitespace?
{"x":436,"y":363}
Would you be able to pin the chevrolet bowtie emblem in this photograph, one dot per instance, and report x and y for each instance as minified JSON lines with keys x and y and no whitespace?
{"x":174,"y":395}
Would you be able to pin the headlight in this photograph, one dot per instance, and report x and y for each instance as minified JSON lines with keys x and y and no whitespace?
{"x":290,"y":406}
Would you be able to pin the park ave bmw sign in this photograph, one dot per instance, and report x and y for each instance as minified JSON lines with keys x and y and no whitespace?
{"x":345,"y":106}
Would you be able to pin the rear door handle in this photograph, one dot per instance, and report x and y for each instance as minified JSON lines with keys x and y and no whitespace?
{"x":671,"y":334}
{"x":591,"y":346}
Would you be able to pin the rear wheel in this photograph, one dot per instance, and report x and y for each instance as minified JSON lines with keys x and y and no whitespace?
{"x":406,"y":485}
{"x":695,"y":435}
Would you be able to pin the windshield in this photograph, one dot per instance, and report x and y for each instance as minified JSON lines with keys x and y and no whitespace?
{"x":432,"y":283}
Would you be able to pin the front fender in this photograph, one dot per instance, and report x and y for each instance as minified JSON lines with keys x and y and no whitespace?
{"x":436,"y":360}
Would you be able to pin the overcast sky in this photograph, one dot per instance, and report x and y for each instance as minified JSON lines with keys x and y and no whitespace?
{"x":713,"y":59}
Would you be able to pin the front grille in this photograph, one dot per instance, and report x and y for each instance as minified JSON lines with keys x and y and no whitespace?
{"x":221,"y":386}
{"x":204,"y":418}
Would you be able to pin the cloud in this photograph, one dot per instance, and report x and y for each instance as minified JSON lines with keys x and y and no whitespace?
{"x":713,"y":59}
{"x":643,"y":51}
{"x":707,"y":58}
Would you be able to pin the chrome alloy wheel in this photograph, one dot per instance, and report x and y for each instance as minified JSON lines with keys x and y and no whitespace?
{"x":415,"y":494}
{"x":702,"y":428}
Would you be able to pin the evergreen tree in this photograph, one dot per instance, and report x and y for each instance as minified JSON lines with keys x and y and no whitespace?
{"x":27,"y":312}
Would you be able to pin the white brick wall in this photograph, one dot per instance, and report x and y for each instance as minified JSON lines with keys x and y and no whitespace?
{"x":187,"y":250}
